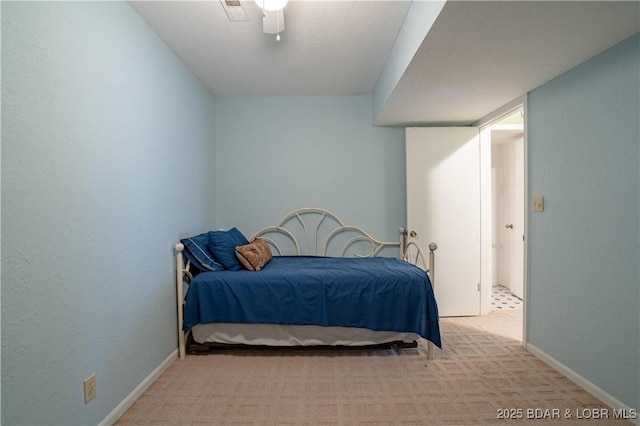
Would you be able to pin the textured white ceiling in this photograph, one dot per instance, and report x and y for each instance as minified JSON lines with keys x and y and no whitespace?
{"x":328,"y":47}
{"x":481,"y":55}
{"x":477,"y":57}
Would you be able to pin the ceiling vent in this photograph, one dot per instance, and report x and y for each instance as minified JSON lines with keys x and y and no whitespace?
{"x":235,"y":11}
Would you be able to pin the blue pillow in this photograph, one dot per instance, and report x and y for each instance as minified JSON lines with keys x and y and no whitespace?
{"x":196,"y":252}
{"x":222,"y":245}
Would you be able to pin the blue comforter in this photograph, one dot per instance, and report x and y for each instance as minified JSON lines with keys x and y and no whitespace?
{"x":376,"y":293}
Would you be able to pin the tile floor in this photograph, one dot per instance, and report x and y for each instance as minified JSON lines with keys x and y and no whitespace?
{"x":503,"y":299}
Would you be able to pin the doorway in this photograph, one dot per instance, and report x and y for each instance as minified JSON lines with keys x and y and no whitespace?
{"x":449,"y":184}
{"x":508,"y":212}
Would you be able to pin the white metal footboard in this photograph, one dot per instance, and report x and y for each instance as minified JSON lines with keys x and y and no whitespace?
{"x":413,"y":253}
{"x":314,"y":231}
{"x":182,"y":271}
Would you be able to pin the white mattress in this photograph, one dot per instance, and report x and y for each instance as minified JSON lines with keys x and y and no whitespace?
{"x":294,"y":335}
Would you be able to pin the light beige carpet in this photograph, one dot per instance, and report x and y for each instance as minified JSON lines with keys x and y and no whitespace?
{"x":482,"y":374}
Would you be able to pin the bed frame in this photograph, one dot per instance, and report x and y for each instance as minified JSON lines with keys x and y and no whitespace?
{"x":314,"y":232}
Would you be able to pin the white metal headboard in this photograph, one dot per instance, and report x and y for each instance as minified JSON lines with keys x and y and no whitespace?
{"x":318,"y":232}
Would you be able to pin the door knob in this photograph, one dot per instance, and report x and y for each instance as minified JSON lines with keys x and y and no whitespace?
{"x":509,"y":226}
{"x":413,"y":234}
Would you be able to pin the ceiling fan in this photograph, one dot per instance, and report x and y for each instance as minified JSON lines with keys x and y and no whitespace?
{"x":272,"y":14}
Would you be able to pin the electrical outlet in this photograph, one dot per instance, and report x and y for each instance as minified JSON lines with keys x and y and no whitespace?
{"x":89,"y":388}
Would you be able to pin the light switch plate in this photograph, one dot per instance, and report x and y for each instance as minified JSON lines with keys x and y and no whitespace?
{"x":538,"y":204}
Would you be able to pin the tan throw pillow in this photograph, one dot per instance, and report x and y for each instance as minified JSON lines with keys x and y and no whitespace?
{"x":254,"y":255}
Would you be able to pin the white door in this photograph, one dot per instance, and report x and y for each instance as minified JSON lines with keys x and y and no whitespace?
{"x":443,"y":206}
{"x":508,"y":162}
{"x":516,"y":218}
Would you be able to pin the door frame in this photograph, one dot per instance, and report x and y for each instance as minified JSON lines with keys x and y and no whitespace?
{"x":483,"y":124}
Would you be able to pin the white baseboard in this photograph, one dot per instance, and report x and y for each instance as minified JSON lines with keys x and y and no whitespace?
{"x":585,"y":384}
{"x":138,"y":391}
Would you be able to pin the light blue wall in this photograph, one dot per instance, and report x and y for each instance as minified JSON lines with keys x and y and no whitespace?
{"x":584,"y":286}
{"x":275,"y":155}
{"x":105,"y":139}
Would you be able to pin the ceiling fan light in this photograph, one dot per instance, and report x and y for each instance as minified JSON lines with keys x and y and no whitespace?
{"x":271,"y":5}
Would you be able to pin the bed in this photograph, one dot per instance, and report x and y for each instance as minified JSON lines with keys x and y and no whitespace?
{"x":310,"y":280}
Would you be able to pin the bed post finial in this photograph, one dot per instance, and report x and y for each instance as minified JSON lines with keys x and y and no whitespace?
{"x":432,"y":263}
